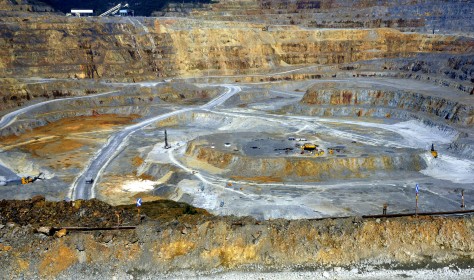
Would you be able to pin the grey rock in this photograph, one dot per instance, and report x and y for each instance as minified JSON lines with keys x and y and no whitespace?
{"x":44,"y":230}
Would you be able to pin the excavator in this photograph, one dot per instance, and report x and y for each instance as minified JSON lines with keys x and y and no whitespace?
{"x":21,"y":181}
{"x":27,"y":180}
{"x":434,"y":153}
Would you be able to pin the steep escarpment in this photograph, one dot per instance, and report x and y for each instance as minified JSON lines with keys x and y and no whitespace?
{"x":82,"y":48}
{"x":193,"y":240}
{"x":146,"y":48}
{"x":387,"y":103}
{"x":406,"y":15}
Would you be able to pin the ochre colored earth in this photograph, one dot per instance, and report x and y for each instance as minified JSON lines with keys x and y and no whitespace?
{"x":67,"y":140}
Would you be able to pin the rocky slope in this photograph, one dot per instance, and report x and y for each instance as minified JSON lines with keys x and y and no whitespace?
{"x":288,"y":168}
{"x":406,"y":15}
{"x":374,"y":102}
{"x":138,"y":49}
{"x":174,"y":237}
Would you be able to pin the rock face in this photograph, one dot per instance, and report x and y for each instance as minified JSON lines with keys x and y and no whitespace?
{"x":382,"y":103}
{"x":405,"y":15}
{"x":307,"y":169}
{"x":201,"y":243}
{"x":138,"y":49}
{"x":21,"y":6}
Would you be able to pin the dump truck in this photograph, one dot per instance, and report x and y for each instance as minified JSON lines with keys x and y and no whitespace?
{"x":309,"y":147}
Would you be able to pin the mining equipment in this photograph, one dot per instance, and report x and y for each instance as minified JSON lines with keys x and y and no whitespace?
{"x":28,"y":179}
{"x":114,"y":10}
{"x":434,"y":153}
{"x":309,"y":147}
{"x":167,"y":146}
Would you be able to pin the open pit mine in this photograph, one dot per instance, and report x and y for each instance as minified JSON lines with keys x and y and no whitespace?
{"x":239,"y":139}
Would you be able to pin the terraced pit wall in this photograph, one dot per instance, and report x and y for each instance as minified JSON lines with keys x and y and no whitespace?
{"x":139,"y":49}
{"x":427,"y":16}
{"x":385,"y":104}
{"x":311,"y":168}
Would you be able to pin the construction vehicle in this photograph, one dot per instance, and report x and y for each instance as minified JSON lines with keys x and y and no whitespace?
{"x":434,"y":153}
{"x":309,"y":147}
{"x":27,"y":180}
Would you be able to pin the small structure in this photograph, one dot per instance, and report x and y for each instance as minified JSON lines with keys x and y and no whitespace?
{"x":79,"y":13}
{"x":126,"y":12}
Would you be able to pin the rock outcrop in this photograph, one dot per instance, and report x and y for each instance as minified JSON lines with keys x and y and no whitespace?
{"x":405,"y":15}
{"x":193,"y":240}
{"x":359,"y":102}
{"x":137,"y":49}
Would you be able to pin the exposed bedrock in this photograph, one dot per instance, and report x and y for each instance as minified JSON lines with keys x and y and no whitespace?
{"x":357,"y":102}
{"x":407,"y":15}
{"x":139,"y":100}
{"x":200,"y":244}
{"x":307,"y":169}
{"x":18,"y":92}
{"x":447,"y":70}
{"x":147,"y":48}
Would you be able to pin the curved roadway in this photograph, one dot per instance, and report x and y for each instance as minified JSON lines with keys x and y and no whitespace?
{"x":115,"y":144}
{"x":6,"y":174}
{"x":9,"y":118}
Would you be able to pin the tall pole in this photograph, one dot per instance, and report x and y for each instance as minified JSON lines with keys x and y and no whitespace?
{"x":166,"y":140}
{"x":417,"y":189}
{"x":416,"y":209}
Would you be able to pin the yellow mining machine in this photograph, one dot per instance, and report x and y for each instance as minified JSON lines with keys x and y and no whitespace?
{"x":308,"y":147}
{"x":27,"y":180}
{"x":434,"y":153}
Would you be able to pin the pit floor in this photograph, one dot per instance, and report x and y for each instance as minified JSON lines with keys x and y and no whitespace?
{"x":240,"y":123}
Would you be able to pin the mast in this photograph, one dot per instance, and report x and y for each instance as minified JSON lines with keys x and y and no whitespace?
{"x":166,"y":141}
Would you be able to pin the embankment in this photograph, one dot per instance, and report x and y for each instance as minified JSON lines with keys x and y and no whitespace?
{"x":191,"y":240}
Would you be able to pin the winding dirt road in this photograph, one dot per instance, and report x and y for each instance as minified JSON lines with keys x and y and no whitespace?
{"x":116,"y":143}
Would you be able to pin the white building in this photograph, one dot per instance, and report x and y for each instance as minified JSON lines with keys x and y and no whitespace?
{"x":79,"y":13}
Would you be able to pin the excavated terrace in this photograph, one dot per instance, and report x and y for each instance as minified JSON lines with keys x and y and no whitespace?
{"x":284,"y":111}
{"x":372,"y":97}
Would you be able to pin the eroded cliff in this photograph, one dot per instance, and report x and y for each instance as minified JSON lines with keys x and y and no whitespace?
{"x":193,"y":240}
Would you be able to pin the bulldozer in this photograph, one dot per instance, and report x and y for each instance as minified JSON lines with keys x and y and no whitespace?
{"x":434,"y":153}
